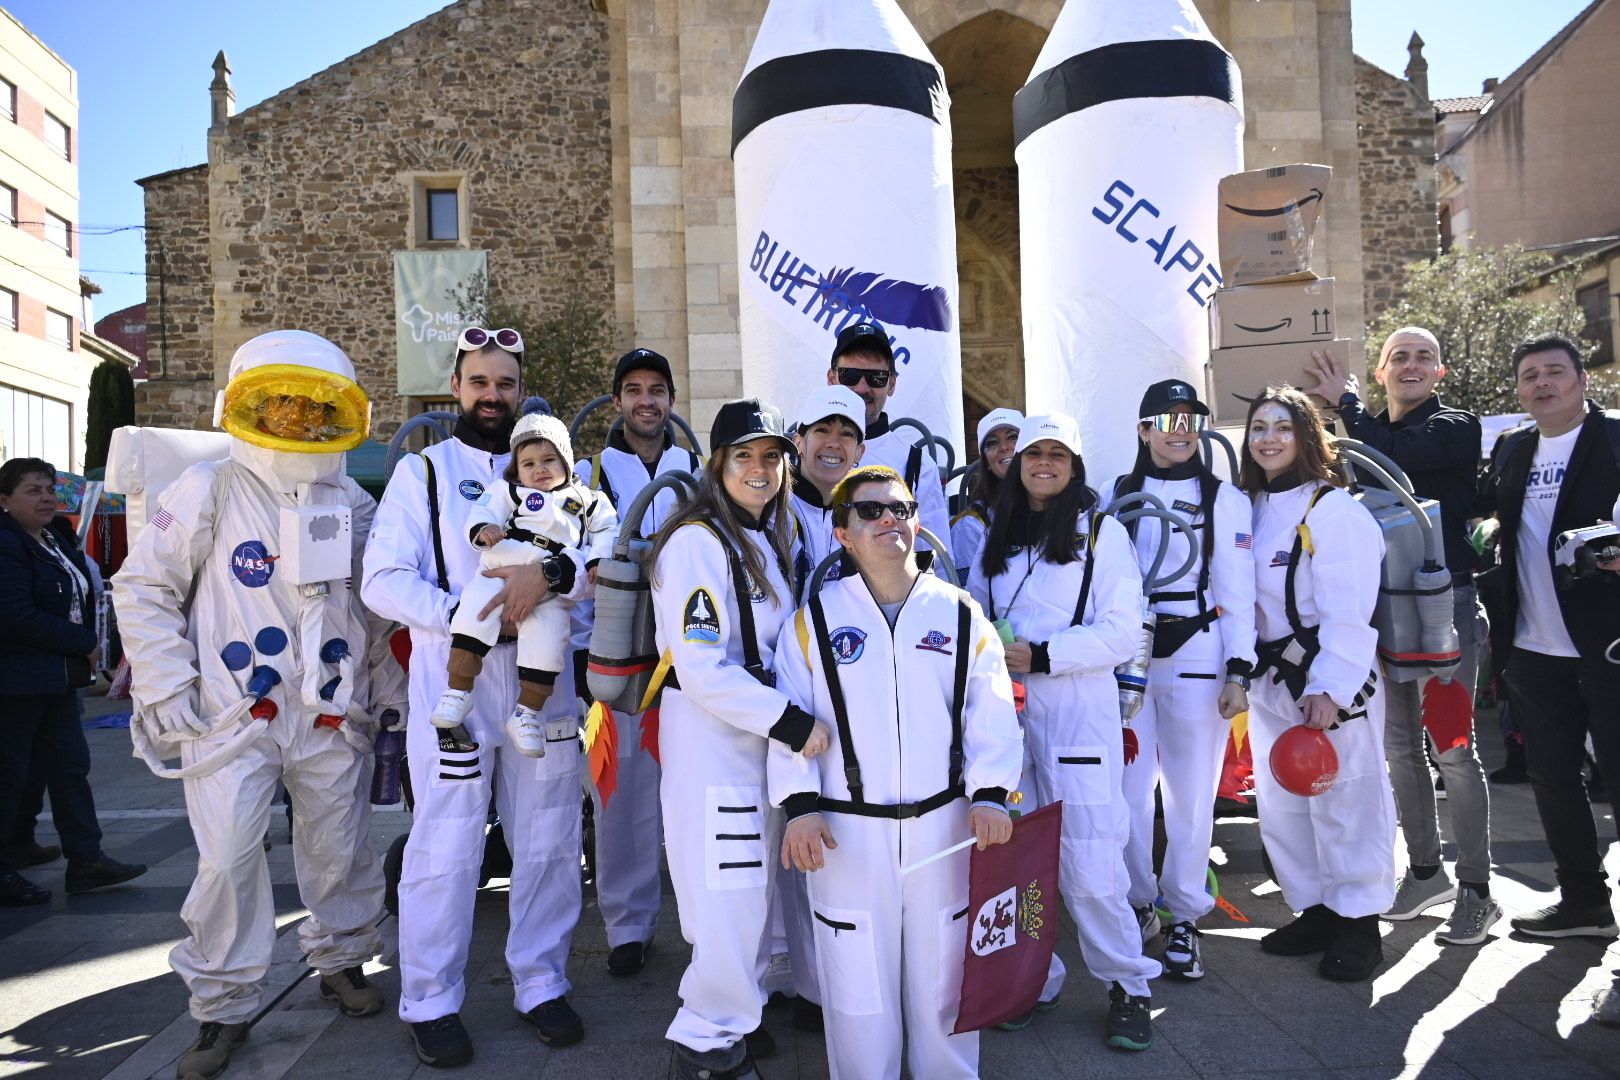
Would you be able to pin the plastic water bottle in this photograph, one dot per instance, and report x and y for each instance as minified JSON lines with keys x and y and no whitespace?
{"x":390,"y":753}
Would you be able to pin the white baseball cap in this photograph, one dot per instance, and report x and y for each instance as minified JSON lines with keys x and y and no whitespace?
{"x":825,"y":401}
{"x":1059,"y":427}
{"x":997,"y":418}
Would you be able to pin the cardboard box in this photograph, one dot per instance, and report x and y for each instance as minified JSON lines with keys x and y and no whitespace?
{"x":1272,"y":313}
{"x":1267,"y":222}
{"x":1237,"y":374}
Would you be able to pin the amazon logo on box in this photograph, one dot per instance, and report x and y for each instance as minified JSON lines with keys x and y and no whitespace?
{"x":1272,"y":313}
{"x":1267,"y":222}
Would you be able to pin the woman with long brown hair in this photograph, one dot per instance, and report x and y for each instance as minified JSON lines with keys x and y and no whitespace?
{"x":1317,"y":554}
{"x":722,"y":588}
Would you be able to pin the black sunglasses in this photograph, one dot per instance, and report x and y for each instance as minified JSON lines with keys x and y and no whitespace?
{"x":851,"y":376}
{"x":871,"y":509}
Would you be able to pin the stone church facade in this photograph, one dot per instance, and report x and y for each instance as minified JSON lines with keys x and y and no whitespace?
{"x":591,"y":154}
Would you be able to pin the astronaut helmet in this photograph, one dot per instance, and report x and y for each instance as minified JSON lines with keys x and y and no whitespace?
{"x":293,"y":392}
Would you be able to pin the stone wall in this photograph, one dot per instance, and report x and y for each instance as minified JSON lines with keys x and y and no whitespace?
{"x":1399,"y":213}
{"x":180,"y":302}
{"x":310,"y":193}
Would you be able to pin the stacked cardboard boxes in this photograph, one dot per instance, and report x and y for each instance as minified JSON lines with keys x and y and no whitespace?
{"x":1274,"y":311}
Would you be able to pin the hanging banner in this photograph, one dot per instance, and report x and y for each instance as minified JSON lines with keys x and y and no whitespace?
{"x":426,"y":316}
{"x":1130,"y":118}
{"x":841,"y":143}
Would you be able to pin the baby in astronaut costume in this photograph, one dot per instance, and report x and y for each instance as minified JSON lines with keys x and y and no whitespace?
{"x":252,"y":673}
{"x":541,"y":514}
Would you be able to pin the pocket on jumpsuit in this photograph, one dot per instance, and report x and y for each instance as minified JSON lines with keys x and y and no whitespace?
{"x":847,"y":956}
{"x":734,"y":855}
{"x":1084,"y":780}
{"x":953,"y":924}
{"x":552,"y":831}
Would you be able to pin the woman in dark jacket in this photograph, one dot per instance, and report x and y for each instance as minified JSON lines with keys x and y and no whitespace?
{"x":47,"y":652}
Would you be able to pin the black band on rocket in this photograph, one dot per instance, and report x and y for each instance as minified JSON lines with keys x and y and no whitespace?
{"x":815,"y":80}
{"x":1128,"y":69}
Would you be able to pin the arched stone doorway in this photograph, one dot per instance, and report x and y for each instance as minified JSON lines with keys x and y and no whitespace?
{"x":986,"y":60}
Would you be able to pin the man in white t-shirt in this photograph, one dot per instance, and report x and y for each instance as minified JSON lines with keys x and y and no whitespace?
{"x":1562,"y":474}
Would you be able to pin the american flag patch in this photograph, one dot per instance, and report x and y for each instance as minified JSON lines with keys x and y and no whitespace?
{"x":162,"y":520}
{"x":1245,"y":541}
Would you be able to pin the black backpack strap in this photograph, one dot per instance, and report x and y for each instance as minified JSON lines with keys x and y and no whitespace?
{"x":964,"y":627}
{"x":835,"y":692}
{"x":1208,"y":489}
{"x":1085,"y":577}
{"x":1290,"y":602}
{"x":914,"y":467}
{"x":433,"y":523}
{"x":745,"y":616}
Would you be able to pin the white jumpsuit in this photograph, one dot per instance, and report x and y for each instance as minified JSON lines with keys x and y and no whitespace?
{"x":538,"y":798}
{"x":720,"y":834}
{"x":1073,"y":736}
{"x":1337,"y":848}
{"x":885,"y":446}
{"x":890,"y":948}
{"x":217,"y":531}
{"x":1181,"y":733}
{"x":569,"y":521}
{"x":629,"y":830}
{"x":968,"y":530}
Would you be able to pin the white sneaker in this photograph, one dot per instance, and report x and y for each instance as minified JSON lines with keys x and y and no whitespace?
{"x":1181,"y":953}
{"x":1147,"y":919}
{"x":452,"y":709}
{"x":527,"y":732}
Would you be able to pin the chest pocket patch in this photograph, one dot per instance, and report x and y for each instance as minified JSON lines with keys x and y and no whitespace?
{"x":1182,"y":506}
{"x":700,"y":620}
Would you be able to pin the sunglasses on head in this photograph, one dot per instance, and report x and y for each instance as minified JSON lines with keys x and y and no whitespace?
{"x":476,"y":337}
{"x":851,"y":376}
{"x":871,"y":509}
{"x":1169,"y":423}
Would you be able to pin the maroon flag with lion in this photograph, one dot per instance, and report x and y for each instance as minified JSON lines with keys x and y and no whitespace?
{"x":1013,"y":922}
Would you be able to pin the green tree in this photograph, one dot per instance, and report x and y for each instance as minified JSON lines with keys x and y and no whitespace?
{"x":112,"y":405}
{"x":568,"y":351}
{"x":1476,"y":303}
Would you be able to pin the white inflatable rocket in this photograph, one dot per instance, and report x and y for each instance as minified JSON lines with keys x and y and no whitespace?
{"x":841,"y":142}
{"x":1132,"y":115}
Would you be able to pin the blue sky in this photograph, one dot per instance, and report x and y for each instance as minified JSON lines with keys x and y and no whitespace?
{"x":144,"y":72}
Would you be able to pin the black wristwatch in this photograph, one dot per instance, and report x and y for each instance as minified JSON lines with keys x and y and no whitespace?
{"x":553,"y":571}
{"x":1349,"y":398}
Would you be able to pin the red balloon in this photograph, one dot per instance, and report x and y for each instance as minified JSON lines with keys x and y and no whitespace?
{"x":1304,"y":762}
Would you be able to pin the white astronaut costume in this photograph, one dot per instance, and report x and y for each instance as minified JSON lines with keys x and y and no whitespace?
{"x":1336,"y":848}
{"x":890,"y":948}
{"x":538,"y":798}
{"x":893,"y":447}
{"x":568,"y":521}
{"x":972,"y":525}
{"x":720,"y":834}
{"x":629,"y":830}
{"x":1180,"y":731}
{"x":1073,"y":735}
{"x":217,"y":532}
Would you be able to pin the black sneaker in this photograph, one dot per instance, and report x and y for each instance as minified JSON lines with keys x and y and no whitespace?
{"x":443,"y":1042}
{"x":208,"y":1055}
{"x":1130,"y":1020}
{"x":760,"y":1043}
{"x":627,"y":959}
{"x":1356,"y":951}
{"x":691,"y":1066}
{"x":807,"y":1017}
{"x":1027,"y":1017}
{"x":1509,"y":774}
{"x":99,"y":873}
{"x":1564,"y":919}
{"x":557,"y":1022}
{"x":1312,"y":932}
{"x":18,"y":891}
{"x":1181,"y":953}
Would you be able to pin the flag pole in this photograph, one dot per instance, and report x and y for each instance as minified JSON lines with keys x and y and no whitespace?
{"x":938,"y":855}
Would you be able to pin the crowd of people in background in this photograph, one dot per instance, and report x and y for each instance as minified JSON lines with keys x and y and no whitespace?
{"x":809,"y":743}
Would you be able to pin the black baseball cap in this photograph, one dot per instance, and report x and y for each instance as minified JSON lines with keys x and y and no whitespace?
{"x":863,"y":337}
{"x":642,"y":360}
{"x":1161,"y":397}
{"x":747,"y":420}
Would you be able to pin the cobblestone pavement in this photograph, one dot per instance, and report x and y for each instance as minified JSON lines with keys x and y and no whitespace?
{"x":86,"y":991}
